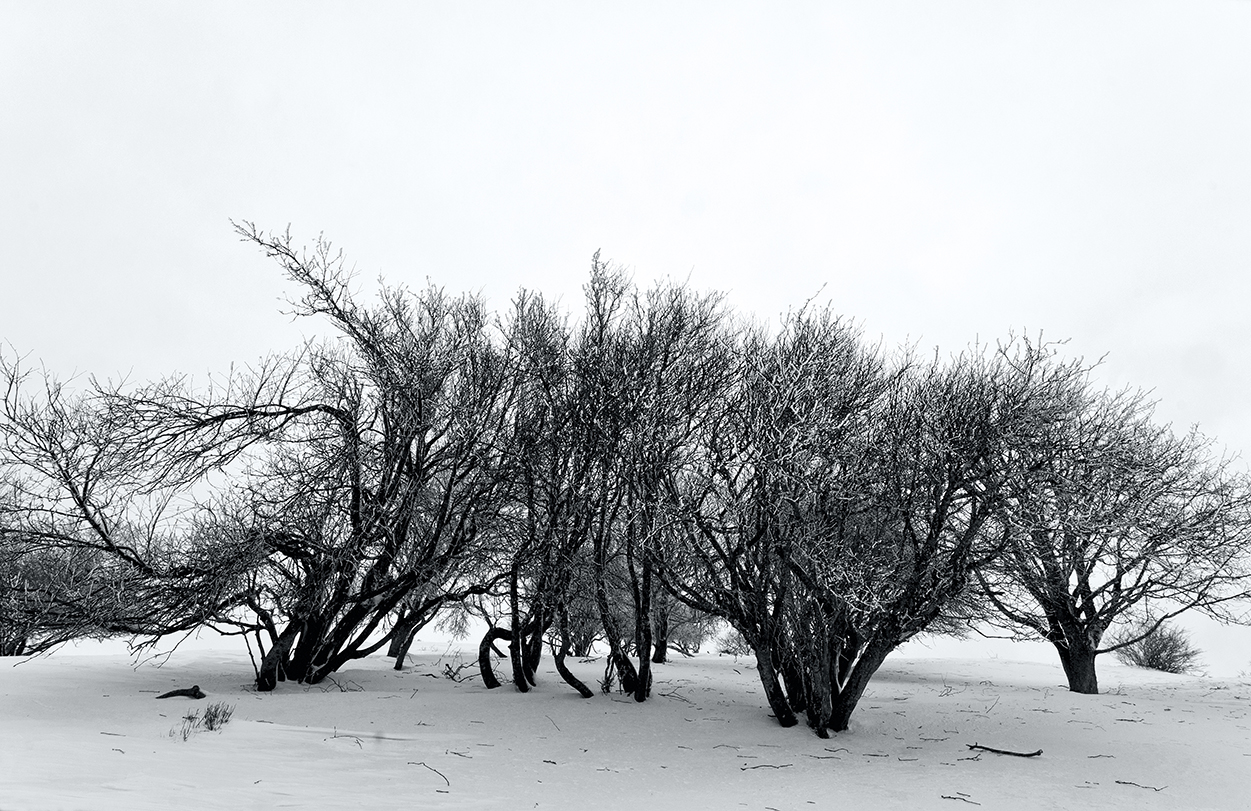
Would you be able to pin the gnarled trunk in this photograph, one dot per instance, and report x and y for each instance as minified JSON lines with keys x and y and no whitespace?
{"x":1079,"y":667}
{"x":846,"y":698}
{"x":484,"y":655}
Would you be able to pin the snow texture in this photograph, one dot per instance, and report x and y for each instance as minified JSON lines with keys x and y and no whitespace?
{"x":84,"y":731}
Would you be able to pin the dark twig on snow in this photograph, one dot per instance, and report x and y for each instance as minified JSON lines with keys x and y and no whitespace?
{"x":431,"y":768}
{"x":765,"y":766}
{"x":960,"y":798}
{"x":1140,"y":785}
{"x":1003,"y":751}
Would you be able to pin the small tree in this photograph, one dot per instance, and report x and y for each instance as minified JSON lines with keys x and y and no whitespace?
{"x":1108,"y":512}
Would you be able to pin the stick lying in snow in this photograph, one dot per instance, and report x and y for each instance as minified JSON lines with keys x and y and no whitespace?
{"x":1003,"y":751}
{"x":190,"y":692}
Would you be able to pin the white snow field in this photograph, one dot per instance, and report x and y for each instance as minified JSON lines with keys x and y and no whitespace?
{"x":86,"y":732}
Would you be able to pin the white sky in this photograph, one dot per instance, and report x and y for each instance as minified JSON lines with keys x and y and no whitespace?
{"x":946,"y":170}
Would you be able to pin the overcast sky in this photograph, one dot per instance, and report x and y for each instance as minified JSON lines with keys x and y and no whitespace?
{"x":944,"y":171}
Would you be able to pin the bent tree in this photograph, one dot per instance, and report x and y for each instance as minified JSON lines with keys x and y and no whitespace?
{"x":1111,"y":516}
{"x":377,"y":498}
{"x":99,"y":520}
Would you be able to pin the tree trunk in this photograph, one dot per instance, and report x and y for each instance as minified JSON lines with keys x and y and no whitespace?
{"x":560,"y":655}
{"x":773,"y":689}
{"x":273,"y":667}
{"x":643,"y":633}
{"x":484,"y":655}
{"x":516,"y":639}
{"x":1079,"y":667}
{"x":532,"y":648}
{"x":401,"y":652}
{"x":404,"y":633}
{"x":819,"y":698}
{"x":845,"y":700}
{"x":661,"y":606}
{"x":793,"y":678}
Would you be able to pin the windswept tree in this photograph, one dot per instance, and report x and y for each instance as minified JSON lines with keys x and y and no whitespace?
{"x":1112,"y":517}
{"x":100,"y":518}
{"x":375,"y":498}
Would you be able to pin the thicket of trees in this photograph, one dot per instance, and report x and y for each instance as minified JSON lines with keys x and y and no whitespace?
{"x":656,"y":465}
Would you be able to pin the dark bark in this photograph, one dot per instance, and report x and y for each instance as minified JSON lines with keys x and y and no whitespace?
{"x":643,"y":637}
{"x":773,"y":689}
{"x":401,"y":651}
{"x":844,"y":702}
{"x":516,"y":637}
{"x":273,"y":666}
{"x":484,"y":655}
{"x":1079,"y":667}
{"x":792,"y":677}
{"x":532,"y":648}
{"x":405,"y":632}
{"x":560,"y":655}
{"x":13,"y":647}
{"x":660,"y":629}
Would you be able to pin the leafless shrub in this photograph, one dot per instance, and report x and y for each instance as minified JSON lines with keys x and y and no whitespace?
{"x":1166,"y":647}
{"x":217,"y":715}
{"x":732,"y":643}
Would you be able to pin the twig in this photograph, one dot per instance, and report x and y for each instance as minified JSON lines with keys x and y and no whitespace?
{"x":1003,"y":751}
{"x":548,"y":717}
{"x":431,"y":768}
{"x":1140,"y":785}
{"x":765,"y":766}
{"x":961,"y":799}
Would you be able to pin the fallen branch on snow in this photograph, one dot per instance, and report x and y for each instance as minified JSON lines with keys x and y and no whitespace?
{"x":961,"y":798}
{"x":1003,"y":751}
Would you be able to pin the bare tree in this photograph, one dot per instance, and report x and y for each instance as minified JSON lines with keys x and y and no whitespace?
{"x":844,"y":504}
{"x":380,"y":486}
{"x":99,"y":515}
{"x":795,"y":401}
{"x":1111,"y":515}
{"x":604,"y":420}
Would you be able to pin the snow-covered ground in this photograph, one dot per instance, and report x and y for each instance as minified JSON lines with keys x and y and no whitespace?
{"x":85,"y":732}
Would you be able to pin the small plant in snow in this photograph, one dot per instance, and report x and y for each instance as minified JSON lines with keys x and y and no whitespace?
{"x":1165,"y":648}
{"x":189,"y":723}
{"x":215,"y":717}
